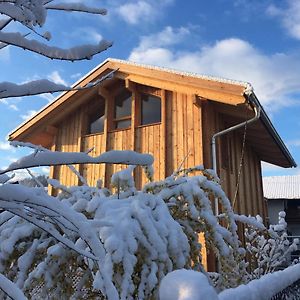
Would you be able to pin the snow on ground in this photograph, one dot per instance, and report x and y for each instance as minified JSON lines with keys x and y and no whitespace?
{"x":186,"y":285}
{"x":190,"y":285}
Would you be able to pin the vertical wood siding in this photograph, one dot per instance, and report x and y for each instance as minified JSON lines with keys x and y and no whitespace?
{"x":149,"y":140}
{"x":69,"y":133}
{"x":184,"y":134}
{"x":93,"y":172}
{"x":117,"y":140}
{"x":249,"y":199}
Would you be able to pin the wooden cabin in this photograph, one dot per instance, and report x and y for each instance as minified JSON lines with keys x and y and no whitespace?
{"x":172,"y":115}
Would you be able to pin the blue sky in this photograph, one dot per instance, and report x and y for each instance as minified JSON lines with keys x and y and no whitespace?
{"x":254,"y":41}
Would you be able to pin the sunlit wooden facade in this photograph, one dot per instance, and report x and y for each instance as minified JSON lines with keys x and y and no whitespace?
{"x":169,"y":114}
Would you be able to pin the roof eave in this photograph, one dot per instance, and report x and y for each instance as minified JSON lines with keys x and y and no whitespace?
{"x":271,"y":129}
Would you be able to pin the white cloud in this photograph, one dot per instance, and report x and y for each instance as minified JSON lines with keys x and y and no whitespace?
{"x":133,"y":13}
{"x":29,"y":114}
{"x":48,"y":97}
{"x":13,"y":107}
{"x":288,"y":16}
{"x":56,"y":78}
{"x":4,"y":54}
{"x":5,"y":146}
{"x":294,"y":143}
{"x":9,"y":105}
{"x":274,"y":77}
{"x":85,"y":34}
{"x":76,"y":75}
{"x":167,"y":37}
{"x":141,"y":11}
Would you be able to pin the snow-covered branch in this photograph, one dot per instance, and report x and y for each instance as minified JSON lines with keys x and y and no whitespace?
{"x":9,"y":90}
{"x":71,"y":54}
{"x":50,"y":158}
{"x":33,"y":14}
{"x":78,"y":7}
{"x":10,"y":289}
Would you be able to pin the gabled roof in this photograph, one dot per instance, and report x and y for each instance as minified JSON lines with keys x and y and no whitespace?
{"x":216,"y":89}
{"x":282,"y":187}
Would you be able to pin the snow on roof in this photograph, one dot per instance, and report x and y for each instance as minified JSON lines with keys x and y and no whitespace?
{"x":282,"y":187}
{"x":247,"y":85}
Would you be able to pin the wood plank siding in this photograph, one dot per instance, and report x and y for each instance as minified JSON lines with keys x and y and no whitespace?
{"x":239,"y":167}
{"x":182,"y":138}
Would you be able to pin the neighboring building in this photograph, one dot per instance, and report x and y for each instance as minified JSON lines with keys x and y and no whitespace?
{"x":172,"y":115}
{"x":283,"y":194}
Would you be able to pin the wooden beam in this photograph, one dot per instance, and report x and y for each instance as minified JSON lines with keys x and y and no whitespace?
{"x":131,"y":86}
{"x":220,"y":96}
{"x":163,"y":146}
{"x":103,"y":92}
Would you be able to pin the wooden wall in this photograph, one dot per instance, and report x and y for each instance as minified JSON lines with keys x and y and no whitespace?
{"x":184,"y":134}
{"x":181,"y":139}
{"x":174,"y":142}
{"x":68,"y":139}
{"x":248,"y":186}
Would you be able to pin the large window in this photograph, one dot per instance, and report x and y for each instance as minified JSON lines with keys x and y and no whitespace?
{"x":150,"y":109}
{"x":122,"y":111}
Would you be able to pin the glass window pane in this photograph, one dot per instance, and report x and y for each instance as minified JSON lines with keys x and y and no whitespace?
{"x":97,"y":126}
{"x":123,"y":105}
{"x":123,"y":124}
{"x":151,"y":109}
{"x":96,"y":122}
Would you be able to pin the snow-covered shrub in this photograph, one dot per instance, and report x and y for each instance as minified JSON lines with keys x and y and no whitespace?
{"x":133,"y":238}
{"x":139,"y":243}
{"x":189,"y":200}
{"x":268,"y":249}
{"x":119,"y":243}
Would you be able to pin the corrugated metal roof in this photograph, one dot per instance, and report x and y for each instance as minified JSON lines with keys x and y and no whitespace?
{"x":282,"y":187}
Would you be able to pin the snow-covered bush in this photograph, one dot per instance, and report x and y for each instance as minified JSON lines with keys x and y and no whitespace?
{"x":268,"y":249}
{"x":189,"y":200}
{"x":137,"y":243}
{"x":121,"y":242}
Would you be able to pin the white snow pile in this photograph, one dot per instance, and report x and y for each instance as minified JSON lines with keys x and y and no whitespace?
{"x":191,"y":285}
{"x":186,"y":285}
{"x":265,"y":287}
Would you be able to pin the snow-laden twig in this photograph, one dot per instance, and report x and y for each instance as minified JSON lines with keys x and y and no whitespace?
{"x":10,"y":289}
{"x":71,"y":54}
{"x":78,"y":7}
{"x":69,"y":158}
{"x":36,"y":87}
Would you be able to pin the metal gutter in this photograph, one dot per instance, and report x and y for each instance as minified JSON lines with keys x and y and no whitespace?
{"x":257,"y":110}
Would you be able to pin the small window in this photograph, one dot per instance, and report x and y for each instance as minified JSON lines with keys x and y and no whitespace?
{"x":122,"y":113}
{"x":151,"y":109}
{"x":96,"y":122}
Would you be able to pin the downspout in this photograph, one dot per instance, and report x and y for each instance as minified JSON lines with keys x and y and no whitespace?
{"x":257,"y":110}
